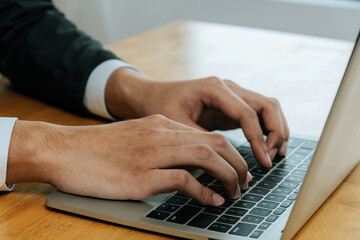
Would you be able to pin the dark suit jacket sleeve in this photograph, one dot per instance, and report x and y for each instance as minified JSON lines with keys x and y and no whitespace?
{"x":46,"y":56}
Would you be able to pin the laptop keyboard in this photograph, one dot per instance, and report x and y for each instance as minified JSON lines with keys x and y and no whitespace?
{"x":269,"y":194}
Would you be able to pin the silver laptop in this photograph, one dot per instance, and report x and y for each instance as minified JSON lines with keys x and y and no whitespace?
{"x":279,"y":201}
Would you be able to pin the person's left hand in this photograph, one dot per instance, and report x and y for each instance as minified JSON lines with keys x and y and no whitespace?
{"x":206,"y":104}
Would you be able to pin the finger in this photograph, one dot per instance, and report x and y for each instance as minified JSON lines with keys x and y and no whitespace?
{"x":232,"y":105}
{"x":204,"y":157}
{"x":273,"y":118}
{"x":218,"y":143}
{"x":283,"y":148}
{"x":175,"y":179}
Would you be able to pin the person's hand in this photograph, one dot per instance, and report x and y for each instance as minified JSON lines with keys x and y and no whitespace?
{"x":208,"y":103}
{"x":133,"y":159}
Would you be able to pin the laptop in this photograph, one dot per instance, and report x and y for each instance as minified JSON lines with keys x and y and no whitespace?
{"x":279,"y":200}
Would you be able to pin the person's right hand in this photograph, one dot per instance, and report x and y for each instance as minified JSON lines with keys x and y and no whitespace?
{"x":133,"y":159}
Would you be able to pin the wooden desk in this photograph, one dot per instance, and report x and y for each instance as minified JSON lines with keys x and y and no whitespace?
{"x":293,"y":68}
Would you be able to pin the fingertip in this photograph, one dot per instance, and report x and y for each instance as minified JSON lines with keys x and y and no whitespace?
{"x":217,"y":199}
{"x":283,"y":148}
{"x":249,"y":176}
{"x":268,"y":160}
{"x":273,"y":152}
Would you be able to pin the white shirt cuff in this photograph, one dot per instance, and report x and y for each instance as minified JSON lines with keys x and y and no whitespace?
{"x":6,"y":127}
{"x":94,"y":98}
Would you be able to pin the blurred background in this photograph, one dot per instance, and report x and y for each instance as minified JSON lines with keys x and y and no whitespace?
{"x":113,"y":20}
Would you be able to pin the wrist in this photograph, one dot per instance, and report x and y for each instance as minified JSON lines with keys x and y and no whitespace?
{"x":126,"y":92}
{"x":26,"y":161}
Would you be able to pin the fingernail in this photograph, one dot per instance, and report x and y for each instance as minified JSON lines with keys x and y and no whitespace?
{"x":269,"y":159}
{"x":273,"y":152}
{"x":249,"y":177}
{"x":217,"y":199}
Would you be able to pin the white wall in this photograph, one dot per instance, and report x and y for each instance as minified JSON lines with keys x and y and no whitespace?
{"x":113,"y":20}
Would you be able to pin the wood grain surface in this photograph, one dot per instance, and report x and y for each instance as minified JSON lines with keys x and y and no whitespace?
{"x":185,"y":50}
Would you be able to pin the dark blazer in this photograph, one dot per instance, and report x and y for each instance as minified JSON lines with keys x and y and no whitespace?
{"x":46,"y":56}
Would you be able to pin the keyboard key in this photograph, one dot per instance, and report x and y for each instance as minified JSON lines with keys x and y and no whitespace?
{"x":297,"y":156}
{"x":244,"y":150}
{"x":290,"y":150}
{"x":166,"y":207}
{"x":158,"y":215}
{"x":256,"y":234}
{"x":288,"y":184}
{"x":260,"y":171}
{"x":291,"y":161}
{"x":295,"y":179}
{"x":227,"y":203}
{"x":251,"y":197}
{"x":195,"y":203}
{"x":272,"y":218}
{"x":297,"y":190}
{"x":279,"y":211}
{"x":294,"y":142}
{"x":202,"y":220}
{"x":184,"y":214}
{"x":205,"y":178}
{"x":285,"y":166}
{"x":277,"y":159}
{"x":260,"y":212}
{"x":228,"y":219}
{"x":177,"y":200}
{"x":244,"y":204}
{"x":250,"y":159}
{"x":264,"y":184}
{"x":292,"y":197}
{"x":236,"y":212}
{"x":251,"y":184}
{"x":242,"y":229}
{"x":305,"y":151}
{"x":216,"y":188}
{"x":260,"y":191}
{"x":251,"y":165}
{"x":214,"y":210}
{"x":264,"y":226}
{"x":252,"y":219}
{"x":275,"y":179}
{"x":303,"y":166}
{"x":299,"y":172}
{"x":275,"y":198}
{"x":281,"y":173}
{"x":286,"y":204}
{"x":267,"y":204}
{"x":282,"y":191}
{"x":181,"y":195}
{"x":219,"y":227}
{"x":309,"y":144}
{"x":217,"y":182}
{"x":256,"y":178}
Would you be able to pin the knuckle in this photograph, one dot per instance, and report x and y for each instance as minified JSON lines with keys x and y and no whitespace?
{"x":215,"y":80}
{"x":219,"y":139}
{"x":274,"y":103}
{"x":157,"y":118}
{"x":180,"y":178}
{"x":203,"y":151}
